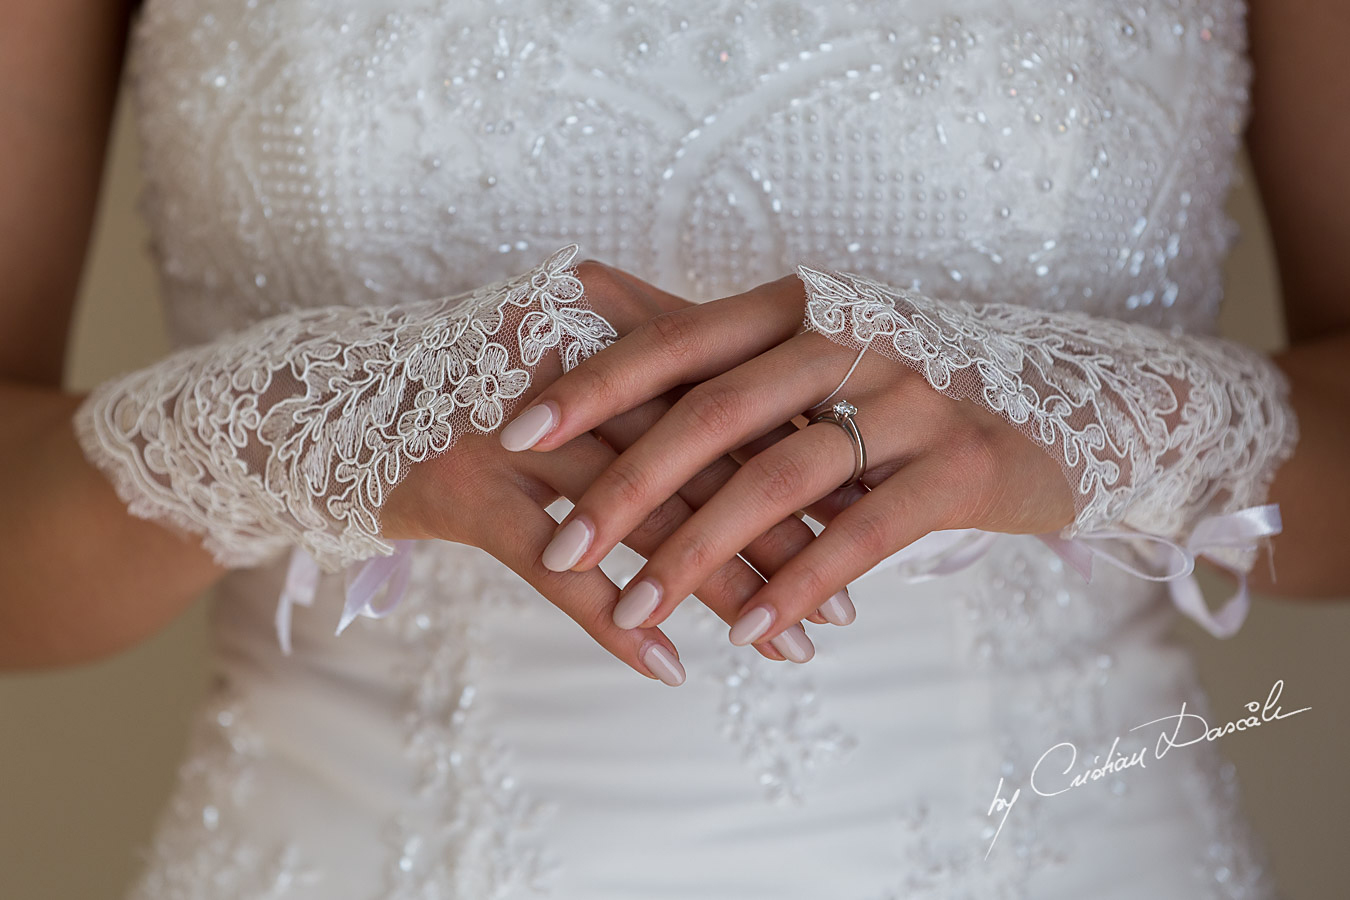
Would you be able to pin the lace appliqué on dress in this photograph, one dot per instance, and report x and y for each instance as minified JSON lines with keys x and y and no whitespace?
{"x":296,"y":429}
{"x":471,"y":832}
{"x":198,"y":853}
{"x":772,"y":713}
{"x":774,"y":717}
{"x":1035,"y":628}
{"x":1235,"y":865}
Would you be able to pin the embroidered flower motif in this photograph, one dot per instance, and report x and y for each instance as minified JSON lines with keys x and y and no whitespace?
{"x":553,"y":285}
{"x":438,"y":352}
{"x":494,"y":383}
{"x":485,"y":78}
{"x":426,"y":427}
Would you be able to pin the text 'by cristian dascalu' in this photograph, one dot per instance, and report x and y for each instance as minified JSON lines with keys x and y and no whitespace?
{"x":1058,"y":770}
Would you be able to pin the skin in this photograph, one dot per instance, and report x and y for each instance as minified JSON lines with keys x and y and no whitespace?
{"x":83,"y":579}
{"x":934,"y":463}
{"x":938,"y":463}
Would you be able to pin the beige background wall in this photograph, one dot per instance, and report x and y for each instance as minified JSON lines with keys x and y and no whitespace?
{"x":87,"y":755}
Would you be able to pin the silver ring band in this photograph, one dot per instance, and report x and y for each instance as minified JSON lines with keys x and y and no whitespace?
{"x":841,"y":414}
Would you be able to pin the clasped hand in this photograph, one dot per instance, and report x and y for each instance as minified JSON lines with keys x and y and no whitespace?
{"x":686,"y":440}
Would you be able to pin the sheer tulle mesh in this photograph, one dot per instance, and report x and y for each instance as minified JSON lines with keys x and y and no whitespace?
{"x":1153,"y":431}
{"x":295,"y":429}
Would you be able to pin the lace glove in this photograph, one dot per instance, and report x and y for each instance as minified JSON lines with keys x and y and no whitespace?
{"x":1176,"y":437}
{"x":295,"y":430}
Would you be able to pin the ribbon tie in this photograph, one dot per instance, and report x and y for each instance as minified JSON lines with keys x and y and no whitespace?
{"x":363,"y":586}
{"x":944,"y":552}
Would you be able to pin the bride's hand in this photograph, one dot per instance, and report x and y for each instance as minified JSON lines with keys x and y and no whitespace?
{"x":933,"y":463}
{"x":480,"y":494}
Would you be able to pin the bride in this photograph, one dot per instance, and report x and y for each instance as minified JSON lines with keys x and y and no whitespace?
{"x":902,"y":345}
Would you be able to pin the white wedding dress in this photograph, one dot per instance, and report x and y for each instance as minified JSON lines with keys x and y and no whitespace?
{"x":475,"y":744}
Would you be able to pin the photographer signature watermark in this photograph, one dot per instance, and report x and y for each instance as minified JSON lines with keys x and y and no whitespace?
{"x":1050,"y":776}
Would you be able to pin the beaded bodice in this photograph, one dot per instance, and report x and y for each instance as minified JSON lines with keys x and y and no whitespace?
{"x":1073,"y":154}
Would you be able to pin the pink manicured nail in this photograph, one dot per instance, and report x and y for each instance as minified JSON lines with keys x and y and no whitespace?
{"x":794,"y":644}
{"x":662,"y":663}
{"x":637,"y":603}
{"x":567,"y":546}
{"x":839,"y":609}
{"x":526,"y":429}
{"x":751,"y":625}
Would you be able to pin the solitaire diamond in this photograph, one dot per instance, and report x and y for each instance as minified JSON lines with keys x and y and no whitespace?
{"x":844,"y":408}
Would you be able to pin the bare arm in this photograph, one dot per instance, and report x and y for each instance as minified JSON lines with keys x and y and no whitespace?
{"x":1299,"y":139}
{"x":79,"y":577}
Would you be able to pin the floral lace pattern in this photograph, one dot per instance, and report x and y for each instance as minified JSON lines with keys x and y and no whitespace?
{"x":775,"y":719}
{"x":296,"y":429}
{"x":471,"y":829}
{"x":1152,"y":430}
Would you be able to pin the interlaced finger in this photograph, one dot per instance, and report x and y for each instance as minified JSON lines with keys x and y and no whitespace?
{"x":767,"y":552}
{"x":707,"y":423}
{"x":571,"y":468}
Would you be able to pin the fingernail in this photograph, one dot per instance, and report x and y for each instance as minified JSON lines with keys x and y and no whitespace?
{"x":567,"y":546}
{"x":637,"y":603}
{"x":794,"y":644}
{"x":525,"y":430}
{"x":662,"y":663}
{"x":839,"y":609}
{"x":751,"y":625}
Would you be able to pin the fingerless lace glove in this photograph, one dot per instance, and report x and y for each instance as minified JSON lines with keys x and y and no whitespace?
{"x":1158,"y":434}
{"x":293,"y":431}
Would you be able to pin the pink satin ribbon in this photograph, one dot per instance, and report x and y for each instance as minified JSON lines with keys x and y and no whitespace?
{"x":383,"y":574}
{"x":944,"y":552}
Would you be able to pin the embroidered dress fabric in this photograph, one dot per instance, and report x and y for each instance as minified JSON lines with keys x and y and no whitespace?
{"x":1066,"y":159}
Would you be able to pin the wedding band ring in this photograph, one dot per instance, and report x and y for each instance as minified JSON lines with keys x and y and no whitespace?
{"x":841,"y":414}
